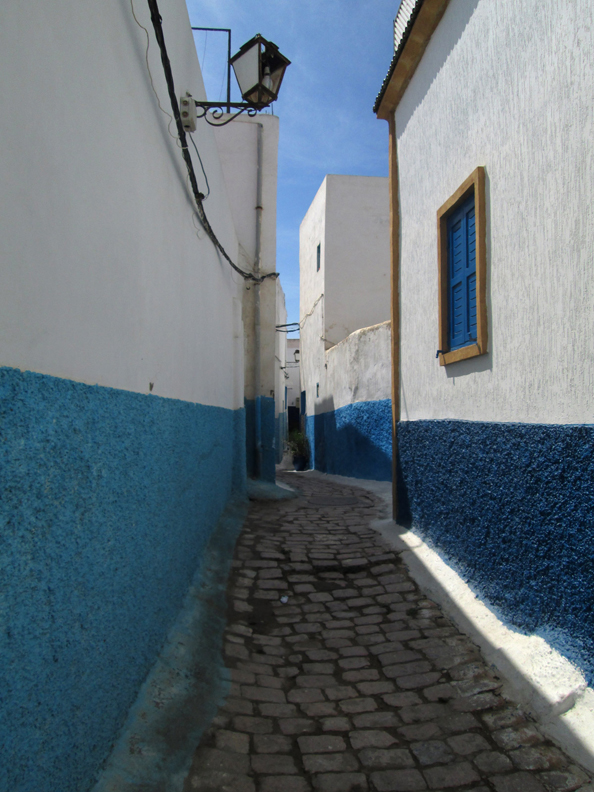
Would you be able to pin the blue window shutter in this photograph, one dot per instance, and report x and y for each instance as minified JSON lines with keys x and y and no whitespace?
{"x":462,"y":275}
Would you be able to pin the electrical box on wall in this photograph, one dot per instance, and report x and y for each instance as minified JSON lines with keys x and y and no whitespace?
{"x":187,"y":108}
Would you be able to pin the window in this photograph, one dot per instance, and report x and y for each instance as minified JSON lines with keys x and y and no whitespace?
{"x":318,"y":256}
{"x":462,"y":272}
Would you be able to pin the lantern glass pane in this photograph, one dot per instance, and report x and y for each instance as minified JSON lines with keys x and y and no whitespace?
{"x":247,"y":70}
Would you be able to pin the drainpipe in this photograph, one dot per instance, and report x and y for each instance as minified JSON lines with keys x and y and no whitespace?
{"x":257,"y":327}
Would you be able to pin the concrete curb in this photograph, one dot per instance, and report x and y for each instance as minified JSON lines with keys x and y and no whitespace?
{"x":546,"y":684}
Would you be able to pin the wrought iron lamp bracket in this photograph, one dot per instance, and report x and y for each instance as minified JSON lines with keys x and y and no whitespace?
{"x":217,"y":111}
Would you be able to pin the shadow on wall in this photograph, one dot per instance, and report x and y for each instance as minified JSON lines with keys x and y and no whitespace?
{"x":453,"y":26}
{"x":513,"y":504}
{"x":355,"y":440}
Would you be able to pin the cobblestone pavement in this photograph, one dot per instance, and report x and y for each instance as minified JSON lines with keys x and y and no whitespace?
{"x":346,"y":678}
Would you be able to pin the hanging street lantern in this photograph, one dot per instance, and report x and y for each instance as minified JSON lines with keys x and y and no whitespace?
{"x":259,"y":67}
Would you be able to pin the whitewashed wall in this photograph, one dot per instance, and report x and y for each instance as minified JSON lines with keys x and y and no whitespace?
{"x":357,"y":254}
{"x":293,"y":383}
{"x":99,"y":248}
{"x":359,"y":368}
{"x":238,"y":144}
{"x":525,"y":114}
{"x":349,"y":217}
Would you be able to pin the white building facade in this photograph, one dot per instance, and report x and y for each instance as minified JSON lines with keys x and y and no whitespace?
{"x":122,"y":369}
{"x":344,"y":286}
{"x":490,"y":115}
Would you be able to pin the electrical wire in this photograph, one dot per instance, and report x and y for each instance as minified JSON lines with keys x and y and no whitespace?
{"x":159,"y":35}
{"x":148,"y":68}
{"x":202,"y":166}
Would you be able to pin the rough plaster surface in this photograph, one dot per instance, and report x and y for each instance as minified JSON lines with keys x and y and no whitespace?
{"x":109,"y":498}
{"x":349,"y":217}
{"x":523,"y":110}
{"x":189,"y":680}
{"x":349,"y":424}
{"x":106,"y":276}
{"x":359,"y":368}
{"x":355,"y":440}
{"x":537,"y":675}
{"x":513,"y":504}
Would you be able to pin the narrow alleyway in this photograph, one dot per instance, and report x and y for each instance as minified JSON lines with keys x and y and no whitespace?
{"x":346,"y":678}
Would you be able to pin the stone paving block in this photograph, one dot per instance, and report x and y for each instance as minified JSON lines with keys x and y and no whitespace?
{"x":515,"y":738}
{"x":457,"y":722}
{"x":245,"y":723}
{"x":375,"y":688}
{"x":356,"y":705}
{"x":564,"y":781}
{"x":236,"y":742}
{"x":319,"y":668}
{"x":238,"y":705}
{"x":320,"y":709}
{"x":423,"y":712}
{"x":253,"y":693}
{"x":442,"y":692}
{"x":330,"y":763}
{"x":223,"y":761}
{"x":213,"y":781}
{"x":371,"y":738}
{"x":305,"y":695}
{"x":340,"y":782}
{"x":492,"y":762}
{"x":271,"y":743}
{"x":405,"y":669}
{"x":354,"y":651}
{"x":336,"y":723}
{"x":363,"y":675}
{"x":465,"y":744}
{"x":420,"y":731}
{"x":481,"y":701}
{"x":284,"y":784}
{"x":316,"y":681}
{"x":268,"y":681}
{"x":325,"y":743}
{"x":341,"y":692}
{"x":372,"y":720}
{"x":430,"y":752}
{"x":402,"y":699}
{"x":542,"y":757}
{"x":296,"y":725}
{"x":415,"y":681}
{"x":517,"y":782}
{"x":349,"y":663}
{"x":274,"y":764}
{"x":381,"y":758}
{"x":277,"y":710}
{"x":502,"y":718}
{"x":451,"y":776}
{"x":321,"y":654}
{"x":398,"y":781}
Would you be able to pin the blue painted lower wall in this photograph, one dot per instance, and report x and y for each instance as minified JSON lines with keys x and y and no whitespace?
{"x":513,"y":504}
{"x":264,"y":408}
{"x":108,"y":499}
{"x":355,"y":440}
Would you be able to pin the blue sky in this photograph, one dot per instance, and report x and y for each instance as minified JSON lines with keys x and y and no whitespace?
{"x":340,"y":51}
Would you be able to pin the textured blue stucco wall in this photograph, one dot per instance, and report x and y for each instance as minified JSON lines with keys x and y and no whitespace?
{"x":107,"y":501}
{"x":355,"y":440}
{"x":268,"y":437}
{"x":513,"y":504}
